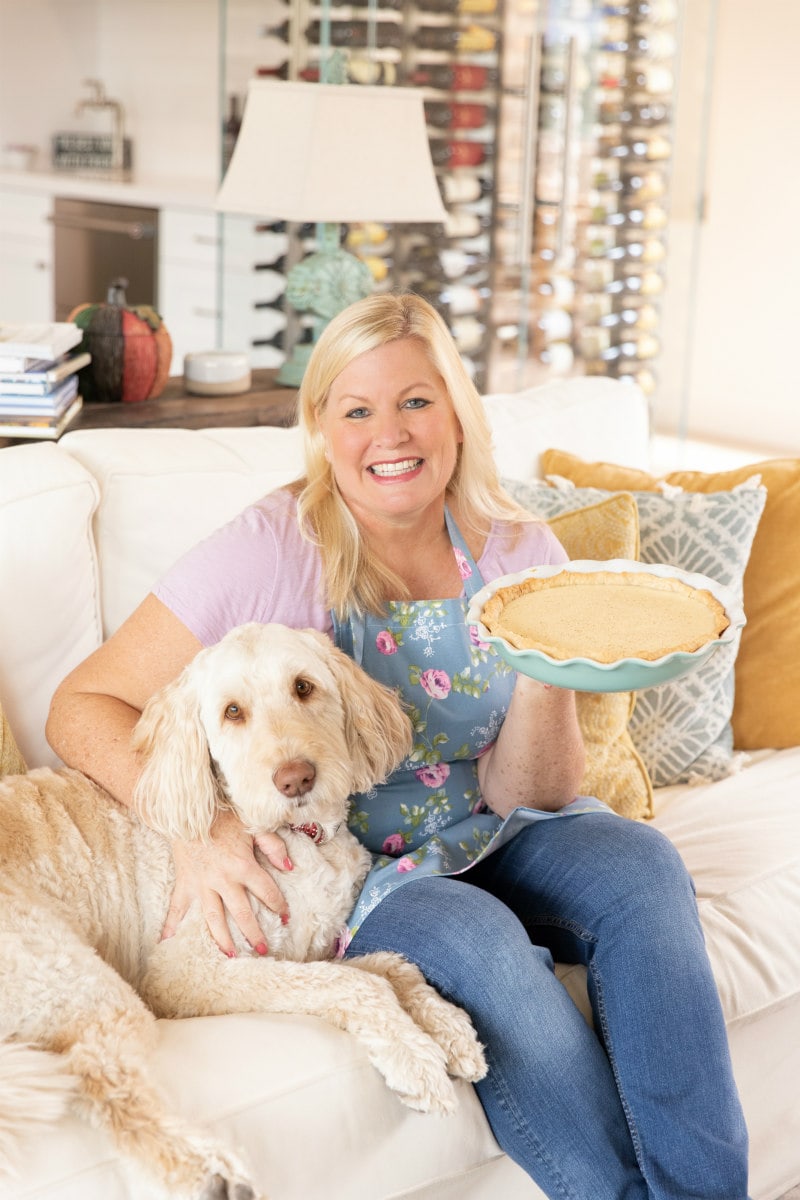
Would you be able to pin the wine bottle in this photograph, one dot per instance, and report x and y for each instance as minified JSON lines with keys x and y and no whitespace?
{"x":462,"y":7}
{"x":384,"y":4}
{"x":459,"y":153}
{"x":468,"y":334}
{"x":453,"y":77}
{"x":463,"y":189}
{"x":271,"y":266}
{"x":280,"y":31}
{"x":364,"y":69}
{"x":357,"y":33}
{"x":230,"y":130}
{"x":270,"y":249}
{"x":472,"y":39}
{"x":457,"y":115}
{"x":271,"y":284}
{"x":270,"y":321}
{"x":462,"y":300}
{"x":465,"y":224}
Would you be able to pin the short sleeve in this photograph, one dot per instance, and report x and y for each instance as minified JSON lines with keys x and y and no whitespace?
{"x":258,"y":567}
{"x":512,"y":548}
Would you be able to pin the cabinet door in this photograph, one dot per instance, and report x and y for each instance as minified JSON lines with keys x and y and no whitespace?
{"x":26,"y":257}
{"x":187,"y":281}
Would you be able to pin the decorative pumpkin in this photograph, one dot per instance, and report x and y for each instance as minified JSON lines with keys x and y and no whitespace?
{"x":130,"y":347}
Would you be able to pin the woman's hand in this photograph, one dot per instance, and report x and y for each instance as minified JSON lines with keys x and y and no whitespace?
{"x":221,"y":874}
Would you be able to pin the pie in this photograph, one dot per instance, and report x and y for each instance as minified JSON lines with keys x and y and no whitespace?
{"x":604,"y":615}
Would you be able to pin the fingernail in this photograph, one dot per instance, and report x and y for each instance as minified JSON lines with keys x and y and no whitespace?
{"x":288,"y":865}
{"x":261,"y":948}
{"x":284,"y":918}
{"x":229,"y":953}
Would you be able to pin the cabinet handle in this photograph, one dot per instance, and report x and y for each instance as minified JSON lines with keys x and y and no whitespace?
{"x":136,"y":230}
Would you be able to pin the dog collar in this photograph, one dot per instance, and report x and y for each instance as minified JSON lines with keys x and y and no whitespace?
{"x":315,"y":832}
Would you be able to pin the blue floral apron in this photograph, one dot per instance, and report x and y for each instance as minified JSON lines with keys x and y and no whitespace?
{"x":429,"y":818}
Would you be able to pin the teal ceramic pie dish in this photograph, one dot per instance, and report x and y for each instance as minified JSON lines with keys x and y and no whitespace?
{"x":625,"y":674}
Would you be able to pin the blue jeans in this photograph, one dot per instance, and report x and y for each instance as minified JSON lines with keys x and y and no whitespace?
{"x":646,"y":1106}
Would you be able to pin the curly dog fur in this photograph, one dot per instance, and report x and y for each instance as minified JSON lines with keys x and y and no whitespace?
{"x":281,"y":727}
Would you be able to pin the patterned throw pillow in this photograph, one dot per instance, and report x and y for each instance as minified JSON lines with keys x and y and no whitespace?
{"x":766,"y":708}
{"x":681,"y":729}
{"x":614,"y":770}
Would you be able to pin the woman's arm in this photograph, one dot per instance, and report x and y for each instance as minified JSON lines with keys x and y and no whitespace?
{"x":91,"y":719}
{"x":538,"y":758}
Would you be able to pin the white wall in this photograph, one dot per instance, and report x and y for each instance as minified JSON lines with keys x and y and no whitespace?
{"x":159,"y":57}
{"x":743,"y":370}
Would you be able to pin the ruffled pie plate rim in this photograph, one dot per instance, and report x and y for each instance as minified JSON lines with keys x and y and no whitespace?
{"x":624,"y":674}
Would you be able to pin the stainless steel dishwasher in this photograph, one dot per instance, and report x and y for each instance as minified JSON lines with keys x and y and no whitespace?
{"x":97,"y":243}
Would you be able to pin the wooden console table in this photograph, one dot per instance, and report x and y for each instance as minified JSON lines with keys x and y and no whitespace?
{"x":264,"y":403}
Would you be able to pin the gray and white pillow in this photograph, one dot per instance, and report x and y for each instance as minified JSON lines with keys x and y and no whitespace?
{"x":682,"y":729}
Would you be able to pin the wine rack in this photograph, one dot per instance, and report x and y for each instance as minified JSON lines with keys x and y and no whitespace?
{"x":550,"y":132}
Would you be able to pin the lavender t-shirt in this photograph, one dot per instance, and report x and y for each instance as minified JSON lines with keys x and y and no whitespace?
{"x":258,"y":567}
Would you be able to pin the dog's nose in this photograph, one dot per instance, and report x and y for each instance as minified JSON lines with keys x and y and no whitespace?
{"x":294,"y":778}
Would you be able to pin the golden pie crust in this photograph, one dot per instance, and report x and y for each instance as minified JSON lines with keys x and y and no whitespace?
{"x":605,"y":615}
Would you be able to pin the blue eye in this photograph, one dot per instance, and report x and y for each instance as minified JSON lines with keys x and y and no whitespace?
{"x":357,"y":414}
{"x":416,"y":402}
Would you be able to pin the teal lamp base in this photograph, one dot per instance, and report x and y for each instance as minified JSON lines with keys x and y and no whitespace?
{"x":326,"y":282}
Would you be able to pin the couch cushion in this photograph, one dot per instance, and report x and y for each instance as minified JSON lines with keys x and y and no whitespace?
{"x":163,"y":490}
{"x":268,"y":1083}
{"x":682,"y":729}
{"x":740,"y":840}
{"x":614,"y":771}
{"x":49,"y":587}
{"x":590,"y":415}
{"x":766,"y":710}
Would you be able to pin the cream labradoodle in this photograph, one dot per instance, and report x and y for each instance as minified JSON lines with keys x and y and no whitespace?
{"x":281,"y":727}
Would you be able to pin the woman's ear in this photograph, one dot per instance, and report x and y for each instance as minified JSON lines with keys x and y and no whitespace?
{"x":177,"y":793}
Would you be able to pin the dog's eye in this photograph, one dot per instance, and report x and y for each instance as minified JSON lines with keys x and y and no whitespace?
{"x":233,"y":712}
{"x":303,"y":688}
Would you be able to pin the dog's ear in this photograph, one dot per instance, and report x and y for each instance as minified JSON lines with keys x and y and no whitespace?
{"x":377,"y":728}
{"x":177,"y":792}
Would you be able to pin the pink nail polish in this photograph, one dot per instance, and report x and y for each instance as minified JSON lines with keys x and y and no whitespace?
{"x":229,"y":953}
{"x":261,"y":948}
{"x":284,"y":918}
{"x":288,"y":865}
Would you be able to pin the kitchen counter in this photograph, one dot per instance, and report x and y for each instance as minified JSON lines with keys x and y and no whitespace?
{"x":156,"y":193}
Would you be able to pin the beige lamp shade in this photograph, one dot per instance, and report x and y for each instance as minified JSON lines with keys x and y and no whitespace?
{"x":332,"y":152}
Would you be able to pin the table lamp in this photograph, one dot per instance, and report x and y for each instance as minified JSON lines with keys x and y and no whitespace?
{"x":328,"y":154}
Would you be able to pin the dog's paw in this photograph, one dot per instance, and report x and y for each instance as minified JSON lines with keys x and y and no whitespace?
{"x":218,"y":1187}
{"x":464,"y":1053}
{"x":414,"y":1067}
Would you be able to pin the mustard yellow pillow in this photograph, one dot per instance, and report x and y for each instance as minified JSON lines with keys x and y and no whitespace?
{"x":614,"y":772}
{"x":11,"y":761}
{"x":766,"y":710}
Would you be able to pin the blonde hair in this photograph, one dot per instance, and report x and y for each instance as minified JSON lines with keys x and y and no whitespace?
{"x":353,"y":579}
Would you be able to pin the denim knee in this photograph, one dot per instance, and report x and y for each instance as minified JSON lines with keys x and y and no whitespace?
{"x":465,"y":940}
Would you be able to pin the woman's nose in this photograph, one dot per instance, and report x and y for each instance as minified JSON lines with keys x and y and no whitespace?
{"x":391,"y":430}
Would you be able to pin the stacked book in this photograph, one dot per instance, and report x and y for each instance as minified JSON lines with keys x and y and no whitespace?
{"x":38,"y":379}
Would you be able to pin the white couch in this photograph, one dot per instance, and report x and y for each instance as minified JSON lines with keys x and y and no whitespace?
{"x":86,"y":525}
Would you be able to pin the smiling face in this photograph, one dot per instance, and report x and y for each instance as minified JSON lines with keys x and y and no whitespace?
{"x":391,"y":434}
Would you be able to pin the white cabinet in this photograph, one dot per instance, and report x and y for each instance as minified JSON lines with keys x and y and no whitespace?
{"x":217,"y":279}
{"x":188,"y":258}
{"x":26,"y":256}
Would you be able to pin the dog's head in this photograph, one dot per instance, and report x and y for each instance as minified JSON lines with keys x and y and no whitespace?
{"x":275,"y":723}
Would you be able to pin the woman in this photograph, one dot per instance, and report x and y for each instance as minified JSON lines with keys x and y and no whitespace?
{"x":486,"y":866}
